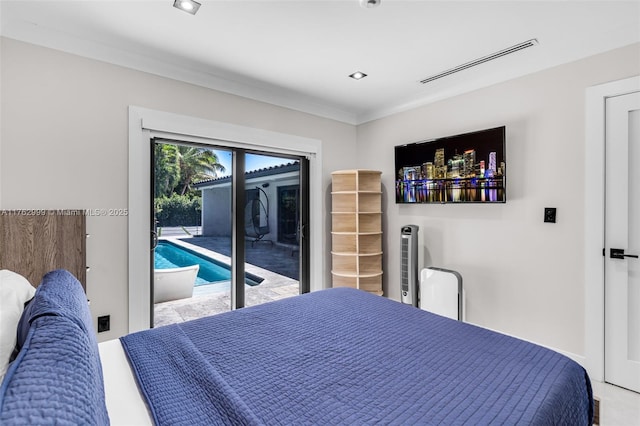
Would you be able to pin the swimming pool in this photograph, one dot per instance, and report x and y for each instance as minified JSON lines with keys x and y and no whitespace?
{"x":169,"y":255}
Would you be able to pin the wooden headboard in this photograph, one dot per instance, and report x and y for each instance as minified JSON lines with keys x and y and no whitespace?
{"x":34,"y":242}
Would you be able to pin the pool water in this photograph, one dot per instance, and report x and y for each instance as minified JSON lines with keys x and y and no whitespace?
{"x":168,"y":255}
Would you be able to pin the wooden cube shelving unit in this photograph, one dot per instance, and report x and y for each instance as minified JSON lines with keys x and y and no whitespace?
{"x":356,"y":232}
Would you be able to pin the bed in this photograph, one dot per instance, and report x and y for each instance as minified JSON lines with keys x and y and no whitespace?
{"x":336,"y":356}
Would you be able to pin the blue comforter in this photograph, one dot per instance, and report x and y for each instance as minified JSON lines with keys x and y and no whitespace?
{"x":56,"y":377}
{"x":342,"y":356}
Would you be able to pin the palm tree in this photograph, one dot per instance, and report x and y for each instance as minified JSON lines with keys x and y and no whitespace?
{"x":196,"y":164}
{"x":167,"y":169}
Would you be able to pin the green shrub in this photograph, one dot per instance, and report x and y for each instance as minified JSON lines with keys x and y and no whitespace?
{"x":178,"y":210}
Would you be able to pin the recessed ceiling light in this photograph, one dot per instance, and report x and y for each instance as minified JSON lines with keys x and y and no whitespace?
{"x":358,"y":75}
{"x":370,"y":3}
{"x":189,"y":6}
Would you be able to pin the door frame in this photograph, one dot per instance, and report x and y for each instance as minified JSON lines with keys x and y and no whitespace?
{"x":594,"y":175}
{"x":145,"y":124}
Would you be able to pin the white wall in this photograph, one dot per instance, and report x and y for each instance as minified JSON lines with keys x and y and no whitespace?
{"x":64,"y":144}
{"x":522,"y":276}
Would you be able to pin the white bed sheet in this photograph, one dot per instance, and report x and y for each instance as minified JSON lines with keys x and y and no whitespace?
{"x":125,"y":404}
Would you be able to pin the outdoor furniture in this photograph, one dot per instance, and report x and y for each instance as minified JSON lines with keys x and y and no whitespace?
{"x":174,"y":283}
{"x":256,"y":218}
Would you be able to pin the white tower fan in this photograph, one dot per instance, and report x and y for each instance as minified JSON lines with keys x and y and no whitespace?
{"x":409,"y":265}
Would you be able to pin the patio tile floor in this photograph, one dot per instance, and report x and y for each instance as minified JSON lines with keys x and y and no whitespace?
{"x":275,"y":257}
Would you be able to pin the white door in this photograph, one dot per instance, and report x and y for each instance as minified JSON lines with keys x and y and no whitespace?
{"x":622,"y":241}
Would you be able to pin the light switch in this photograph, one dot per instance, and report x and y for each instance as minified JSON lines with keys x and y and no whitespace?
{"x":550,"y":214}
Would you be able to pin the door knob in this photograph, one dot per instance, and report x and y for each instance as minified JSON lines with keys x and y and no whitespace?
{"x":619,"y":254}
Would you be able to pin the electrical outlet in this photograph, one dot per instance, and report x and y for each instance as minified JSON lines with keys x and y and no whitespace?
{"x":550,"y":214}
{"x":104,"y":323}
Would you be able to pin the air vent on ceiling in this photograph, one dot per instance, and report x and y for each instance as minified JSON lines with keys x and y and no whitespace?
{"x":491,"y":57}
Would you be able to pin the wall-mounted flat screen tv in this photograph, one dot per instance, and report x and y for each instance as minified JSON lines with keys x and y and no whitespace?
{"x":466,"y":168}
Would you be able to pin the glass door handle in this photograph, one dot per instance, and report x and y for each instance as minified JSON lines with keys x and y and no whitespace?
{"x":619,"y":254}
{"x":154,"y":240}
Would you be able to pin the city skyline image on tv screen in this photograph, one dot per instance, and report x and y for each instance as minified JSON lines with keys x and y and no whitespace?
{"x":465,"y":168}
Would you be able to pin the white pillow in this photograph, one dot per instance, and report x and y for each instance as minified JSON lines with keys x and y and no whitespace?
{"x":15,"y":290}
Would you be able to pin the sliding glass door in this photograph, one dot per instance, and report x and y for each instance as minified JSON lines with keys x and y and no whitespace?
{"x":239,"y":216}
{"x":192,"y":255}
{"x":272,"y":263}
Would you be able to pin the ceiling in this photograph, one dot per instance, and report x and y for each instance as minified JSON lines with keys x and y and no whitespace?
{"x":299,"y":53}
